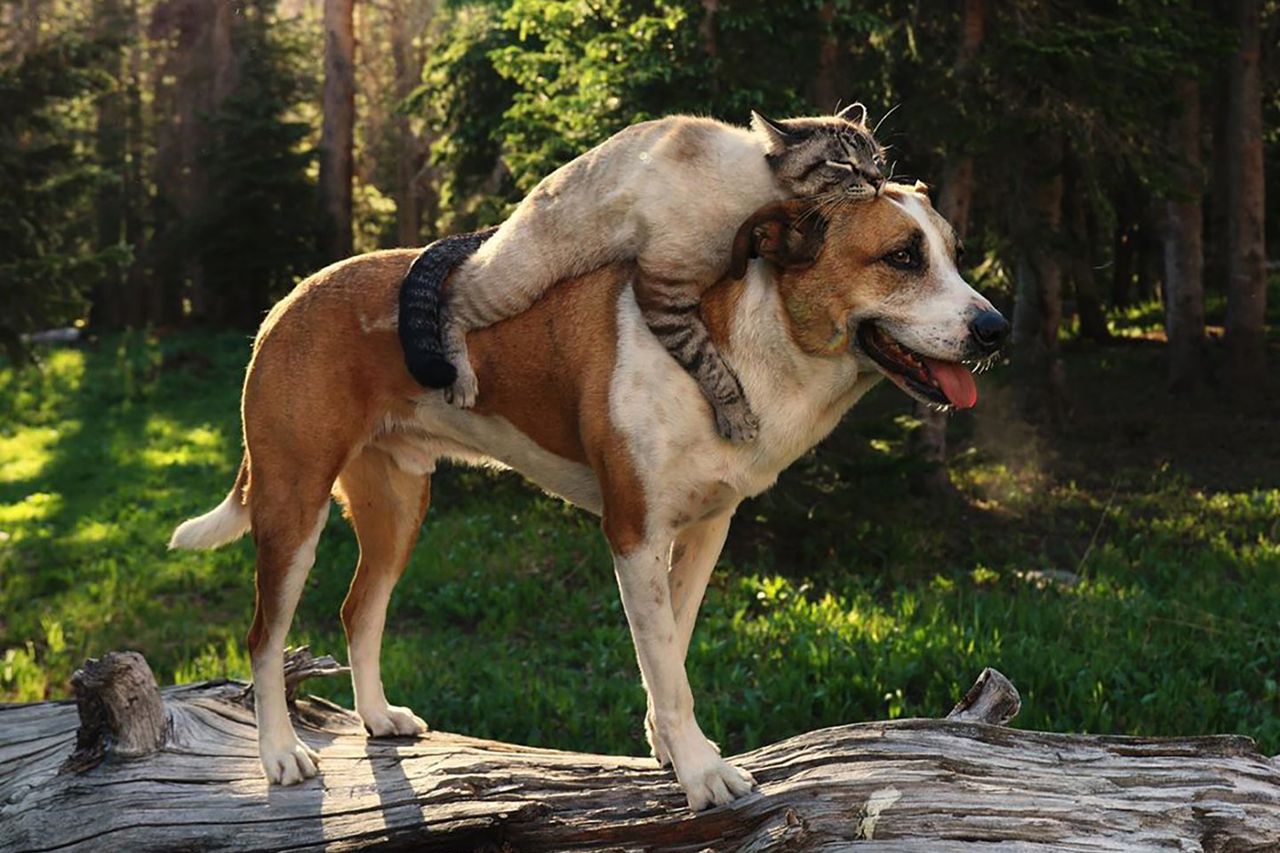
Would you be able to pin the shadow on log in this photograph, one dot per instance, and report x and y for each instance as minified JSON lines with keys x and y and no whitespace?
{"x":142,"y":769}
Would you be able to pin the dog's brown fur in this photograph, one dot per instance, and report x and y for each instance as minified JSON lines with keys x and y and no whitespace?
{"x":329,"y":408}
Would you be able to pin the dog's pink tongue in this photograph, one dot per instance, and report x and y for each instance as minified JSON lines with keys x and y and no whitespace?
{"x":956,"y":381}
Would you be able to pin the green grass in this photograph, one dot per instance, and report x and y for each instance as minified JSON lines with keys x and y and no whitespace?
{"x":842,"y":596}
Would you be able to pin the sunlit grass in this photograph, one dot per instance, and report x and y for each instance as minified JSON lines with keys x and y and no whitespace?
{"x":1133,"y":601}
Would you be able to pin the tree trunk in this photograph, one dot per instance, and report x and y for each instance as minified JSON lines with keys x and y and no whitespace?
{"x":1037,"y":316}
{"x":1246,"y":256}
{"x":954,"y":202}
{"x":1122,"y":254}
{"x":825,"y":91}
{"x":112,"y":24}
{"x":190,"y":83}
{"x":1075,"y":201}
{"x":135,"y":170}
{"x":410,"y":153}
{"x":1219,"y":196}
{"x":179,"y":770}
{"x":1150,"y":250}
{"x":337,"y":131}
{"x":956,"y":194}
{"x":1184,"y":257}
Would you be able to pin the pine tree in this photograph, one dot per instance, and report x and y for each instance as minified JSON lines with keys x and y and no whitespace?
{"x":48,"y":258}
{"x":255,"y":232}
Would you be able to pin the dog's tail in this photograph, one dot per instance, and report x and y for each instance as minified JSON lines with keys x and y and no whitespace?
{"x":421,"y":302}
{"x":226,"y":522}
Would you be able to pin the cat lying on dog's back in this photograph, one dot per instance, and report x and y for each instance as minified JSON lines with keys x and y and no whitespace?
{"x":668,"y":193}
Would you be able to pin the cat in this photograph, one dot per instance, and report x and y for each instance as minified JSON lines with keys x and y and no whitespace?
{"x":668,"y":194}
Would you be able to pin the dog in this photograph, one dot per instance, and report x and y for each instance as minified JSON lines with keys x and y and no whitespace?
{"x":580,"y":397}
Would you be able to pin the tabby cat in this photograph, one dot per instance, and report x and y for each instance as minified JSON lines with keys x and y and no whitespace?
{"x":669,"y":194}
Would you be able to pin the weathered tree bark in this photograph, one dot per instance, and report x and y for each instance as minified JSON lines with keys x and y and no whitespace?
{"x":338,"y":128}
{"x":1037,"y":317}
{"x":1183,"y":250}
{"x":955,"y":198}
{"x":1246,"y":255}
{"x":960,"y":784}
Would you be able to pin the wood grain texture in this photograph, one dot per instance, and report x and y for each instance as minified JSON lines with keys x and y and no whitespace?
{"x":907,"y":785}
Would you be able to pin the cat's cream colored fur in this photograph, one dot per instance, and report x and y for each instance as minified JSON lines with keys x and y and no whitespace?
{"x":669,"y":193}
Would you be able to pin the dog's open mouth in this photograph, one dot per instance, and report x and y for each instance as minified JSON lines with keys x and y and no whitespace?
{"x":944,"y":383}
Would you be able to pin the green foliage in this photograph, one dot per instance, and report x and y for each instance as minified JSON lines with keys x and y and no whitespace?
{"x":467,"y":99}
{"x":255,"y":233}
{"x":842,"y":597}
{"x":523,"y":90}
{"x":47,"y":261}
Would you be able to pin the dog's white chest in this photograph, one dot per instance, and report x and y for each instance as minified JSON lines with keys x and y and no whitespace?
{"x":688,"y":469}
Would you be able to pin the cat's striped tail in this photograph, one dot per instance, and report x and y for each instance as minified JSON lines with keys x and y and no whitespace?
{"x":422,"y":303}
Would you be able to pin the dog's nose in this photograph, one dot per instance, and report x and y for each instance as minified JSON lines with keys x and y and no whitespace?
{"x":989,"y":329}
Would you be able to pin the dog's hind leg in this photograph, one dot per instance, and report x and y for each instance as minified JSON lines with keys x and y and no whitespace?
{"x":386,"y":506}
{"x":693,"y":556}
{"x":288,"y":516}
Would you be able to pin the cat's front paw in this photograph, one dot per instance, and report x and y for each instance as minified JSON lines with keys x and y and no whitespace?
{"x":464,"y":389}
{"x":736,"y":422}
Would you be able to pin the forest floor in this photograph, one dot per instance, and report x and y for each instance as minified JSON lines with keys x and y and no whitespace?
{"x":1123,"y":571}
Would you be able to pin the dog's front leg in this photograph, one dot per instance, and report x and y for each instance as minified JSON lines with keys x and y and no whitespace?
{"x":693,"y":557}
{"x":707,"y":779}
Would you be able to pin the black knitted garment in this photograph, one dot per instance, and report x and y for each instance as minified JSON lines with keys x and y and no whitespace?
{"x":422,"y":302}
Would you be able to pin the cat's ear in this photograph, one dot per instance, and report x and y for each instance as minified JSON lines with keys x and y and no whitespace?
{"x":855,"y":112}
{"x":776,"y":137}
{"x":788,"y":233}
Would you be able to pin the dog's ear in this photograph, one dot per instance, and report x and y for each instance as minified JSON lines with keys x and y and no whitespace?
{"x":787,"y":233}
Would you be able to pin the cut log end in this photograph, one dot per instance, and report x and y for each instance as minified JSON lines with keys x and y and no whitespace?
{"x":121,"y":712}
{"x":992,"y":700}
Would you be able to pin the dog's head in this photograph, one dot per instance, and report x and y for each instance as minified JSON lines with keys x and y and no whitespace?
{"x":879,"y":278}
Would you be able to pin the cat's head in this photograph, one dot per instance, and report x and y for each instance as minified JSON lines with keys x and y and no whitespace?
{"x":821,"y":154}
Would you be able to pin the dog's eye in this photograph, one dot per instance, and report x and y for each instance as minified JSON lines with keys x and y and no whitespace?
{"x":903,"y":259}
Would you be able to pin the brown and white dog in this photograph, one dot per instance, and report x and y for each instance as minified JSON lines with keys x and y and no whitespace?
{"x":578,"y":396}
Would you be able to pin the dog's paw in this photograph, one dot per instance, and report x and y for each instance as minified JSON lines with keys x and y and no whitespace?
{"x":715,"y":783}
{"x":708,"y":780}
{"x":465,"y":388}
{"x":392,"y":721}
{"x":736,"y":422}
{"x":656,"y":747}
{"x":289,"y":763}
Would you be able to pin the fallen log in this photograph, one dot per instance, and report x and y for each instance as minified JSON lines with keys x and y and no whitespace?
{"x":130,"y":767}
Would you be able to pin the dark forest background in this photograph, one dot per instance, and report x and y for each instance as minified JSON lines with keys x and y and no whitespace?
{"x":1103,"y":526}
{"x":172,"y":163}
